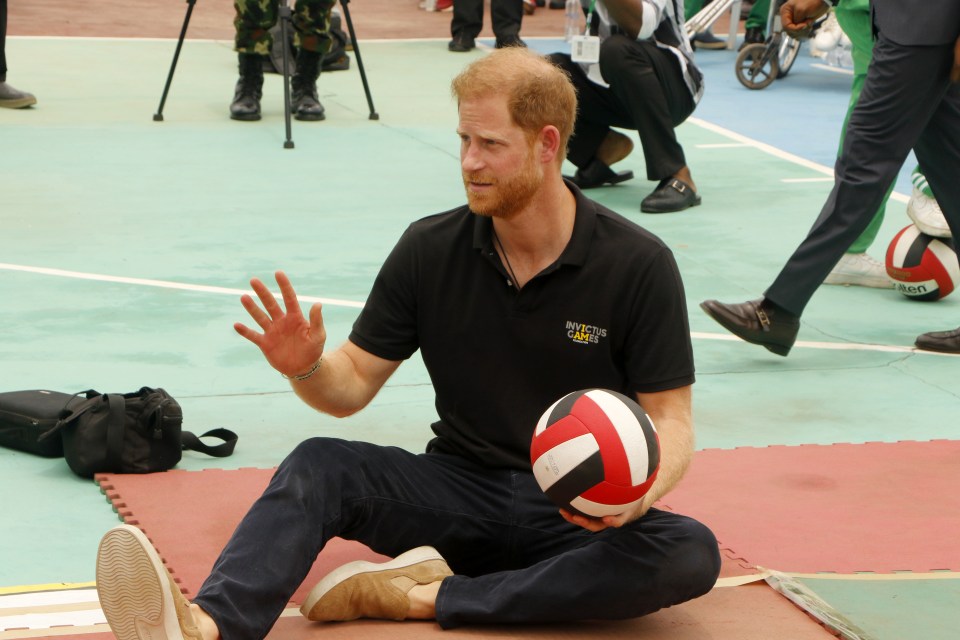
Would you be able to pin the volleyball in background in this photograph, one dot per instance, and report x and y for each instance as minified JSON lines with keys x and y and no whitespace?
{"x":595,"y":452}
{"x":922,"y":267}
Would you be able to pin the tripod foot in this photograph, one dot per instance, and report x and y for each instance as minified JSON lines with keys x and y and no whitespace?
{"x":288,"y":144}
{"x":374,"y":115}
{"x":158,"y":117}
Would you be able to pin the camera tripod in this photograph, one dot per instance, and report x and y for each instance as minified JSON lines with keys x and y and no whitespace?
{"x":286,"y":23}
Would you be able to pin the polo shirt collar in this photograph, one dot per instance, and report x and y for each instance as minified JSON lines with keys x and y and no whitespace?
{"x":575,"y":253}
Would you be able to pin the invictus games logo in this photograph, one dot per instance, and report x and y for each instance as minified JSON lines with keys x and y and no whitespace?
{"x":584,"y":333}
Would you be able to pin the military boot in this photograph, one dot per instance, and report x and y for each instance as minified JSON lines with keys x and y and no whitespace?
{"x":12,"y":98}
{"x":246,"y":98}
{"x":306,"y":106}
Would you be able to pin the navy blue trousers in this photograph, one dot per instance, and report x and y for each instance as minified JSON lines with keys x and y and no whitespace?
{"x":907,"y":101}
{"x":516,"y":560}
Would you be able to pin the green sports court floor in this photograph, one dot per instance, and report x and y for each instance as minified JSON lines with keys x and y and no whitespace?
{"x":125,"y":244}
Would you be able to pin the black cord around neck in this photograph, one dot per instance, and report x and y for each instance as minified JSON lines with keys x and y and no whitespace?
{"x":503,"y":252}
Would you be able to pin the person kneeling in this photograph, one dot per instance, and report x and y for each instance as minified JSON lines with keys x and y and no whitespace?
{"x":645,"y":79}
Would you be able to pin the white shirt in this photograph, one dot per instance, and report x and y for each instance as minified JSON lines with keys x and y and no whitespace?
{"x":662,"y":25}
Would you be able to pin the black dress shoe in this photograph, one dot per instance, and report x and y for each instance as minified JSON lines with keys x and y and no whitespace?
{"x":707,"y":40}
{"x":509,"y":41}
{"x":942,"y":341}
{"x":758,"y":322}
{"x":461,"y":43}
{"x":671,"y":195}
{"x":597,"y":174}
{"x":753,"y":35}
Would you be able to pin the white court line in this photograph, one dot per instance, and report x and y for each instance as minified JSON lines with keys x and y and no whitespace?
{"x":836,"y":346}
{"x":709,"y":126}
{"x":165,"y":284}
{"x":723,"y":145}
{"x":779,"y":153}
{"x":826,"y":67}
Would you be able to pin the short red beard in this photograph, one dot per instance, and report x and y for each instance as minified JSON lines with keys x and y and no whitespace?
{"x":509,"y":196}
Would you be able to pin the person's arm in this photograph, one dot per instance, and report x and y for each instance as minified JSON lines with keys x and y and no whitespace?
{"x":672,"y":415}
{"x":340,"y":382}
{"x":628,"y":14}
{"x":797,"y":16}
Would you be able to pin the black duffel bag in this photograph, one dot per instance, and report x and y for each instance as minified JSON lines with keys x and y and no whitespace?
{"x":139,"y":432}
{"x":26,"y":415}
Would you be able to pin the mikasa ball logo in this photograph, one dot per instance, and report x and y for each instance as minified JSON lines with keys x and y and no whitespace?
{"x":585,"y":333}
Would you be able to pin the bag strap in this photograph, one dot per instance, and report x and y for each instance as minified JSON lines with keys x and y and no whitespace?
{"x":76,"y":412}
{"x":191,"y":442}
{"x":116,"y":427}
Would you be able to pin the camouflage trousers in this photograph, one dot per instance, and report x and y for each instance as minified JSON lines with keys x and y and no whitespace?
{"x":255,"y":18}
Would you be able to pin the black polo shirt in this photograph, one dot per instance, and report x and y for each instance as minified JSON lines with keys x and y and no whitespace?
{"x":609,"y":313}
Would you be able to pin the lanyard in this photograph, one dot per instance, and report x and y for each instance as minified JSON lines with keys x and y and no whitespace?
{"x":593,"y":3}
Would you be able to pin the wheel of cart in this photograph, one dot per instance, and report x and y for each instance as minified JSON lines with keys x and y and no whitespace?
{"x":758,"y":65}
{"x":787,"y":54}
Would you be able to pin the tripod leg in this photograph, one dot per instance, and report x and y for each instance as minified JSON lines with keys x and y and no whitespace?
{"x":284,"y":23}
{"x":158,"y":116}
{"x":356,"y":49}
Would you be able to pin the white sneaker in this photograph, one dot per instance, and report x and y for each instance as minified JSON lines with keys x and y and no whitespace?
{"x":926,"y":214}
{"x":860,"y":270}
{"x":137,"y":595}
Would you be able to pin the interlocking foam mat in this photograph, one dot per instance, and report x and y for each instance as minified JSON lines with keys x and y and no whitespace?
{"x":189,"y":515}
{"x":844,"y":508}
{"x":751,"y":612}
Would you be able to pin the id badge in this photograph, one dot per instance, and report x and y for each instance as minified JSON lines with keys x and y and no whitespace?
{"x":585,"y":49}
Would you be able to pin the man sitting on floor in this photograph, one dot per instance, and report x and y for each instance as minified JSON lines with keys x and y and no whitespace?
{"x":485,"y":292}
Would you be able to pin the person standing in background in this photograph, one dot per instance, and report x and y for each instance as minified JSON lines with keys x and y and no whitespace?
{"x":10,"y":97}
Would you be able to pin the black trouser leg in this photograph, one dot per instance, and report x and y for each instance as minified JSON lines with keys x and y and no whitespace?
{"x":3,"y":39}
{"x":515,"y":558}
{"x":903,"y":91}
{"x":467,"y":18}
{"x":506,"y":17}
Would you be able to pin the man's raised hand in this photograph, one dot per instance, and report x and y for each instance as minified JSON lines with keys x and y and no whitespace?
{"x":290,"y":343}
{"x":798,"y":16}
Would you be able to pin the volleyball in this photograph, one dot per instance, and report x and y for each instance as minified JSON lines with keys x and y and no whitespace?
{"x":922,"y":267}
{"x":595,"y":452}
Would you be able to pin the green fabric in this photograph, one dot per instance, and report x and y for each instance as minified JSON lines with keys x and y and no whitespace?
{"x":691,"y":8}
{"x":854,"y":19}
{"x":310,"y":20}
{"x":759,"y":16}
{"x":920,"y":182}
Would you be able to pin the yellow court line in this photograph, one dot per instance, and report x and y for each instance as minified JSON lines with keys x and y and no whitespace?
{"x":17,"y":634}
{"x":763,"y":574}
{"x":37,"y":588}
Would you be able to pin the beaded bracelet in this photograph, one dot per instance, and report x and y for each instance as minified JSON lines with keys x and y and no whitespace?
{"x":304,"y":376}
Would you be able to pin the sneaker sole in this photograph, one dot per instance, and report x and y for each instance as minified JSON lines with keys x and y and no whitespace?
{"x":19,"y":103}
{"x":858,"y":281}
{"x":694,"y":203}
{"x":358,"y":567}
{"x":133,"y":587}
